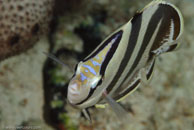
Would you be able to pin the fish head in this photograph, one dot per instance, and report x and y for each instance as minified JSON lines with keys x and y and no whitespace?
{"x":81,"y":87}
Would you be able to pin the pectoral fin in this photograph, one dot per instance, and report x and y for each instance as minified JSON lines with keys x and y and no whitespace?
{"x":53,"y":57}
{"x":86,"y":113}
{"x":118,"y":109}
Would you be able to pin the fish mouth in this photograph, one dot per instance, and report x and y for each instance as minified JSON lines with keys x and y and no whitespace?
{"x":73,"y":93}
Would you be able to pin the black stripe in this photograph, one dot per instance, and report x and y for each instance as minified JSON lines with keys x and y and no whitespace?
{"x":132,"y":87}
{"x":169,"y":13}
{"x":106,"y":60}
{"x":148,"y":75}
{"x":172,"y":47}
{"x":157,"y":16}
{"x":154,"y":21}
{"x":136,"y":25}
{"x":105,"y":44}
{"x":111,"y":52}
{"x":90,"y":93}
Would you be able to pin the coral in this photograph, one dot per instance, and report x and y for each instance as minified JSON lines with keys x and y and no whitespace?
{"x":22,"y":22}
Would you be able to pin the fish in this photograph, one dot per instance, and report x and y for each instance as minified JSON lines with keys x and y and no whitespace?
{"x":126,"y":58}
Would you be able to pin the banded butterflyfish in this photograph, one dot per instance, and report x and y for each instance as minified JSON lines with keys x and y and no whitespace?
{"x":125,"y":58}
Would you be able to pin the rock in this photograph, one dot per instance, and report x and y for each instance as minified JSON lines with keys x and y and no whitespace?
{"x":21,"y":87}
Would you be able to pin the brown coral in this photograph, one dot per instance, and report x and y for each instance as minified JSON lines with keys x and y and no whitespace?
{"x":21,"y":24}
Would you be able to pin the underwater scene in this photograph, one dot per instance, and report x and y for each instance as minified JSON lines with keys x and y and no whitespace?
{"x":96,"y":65}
